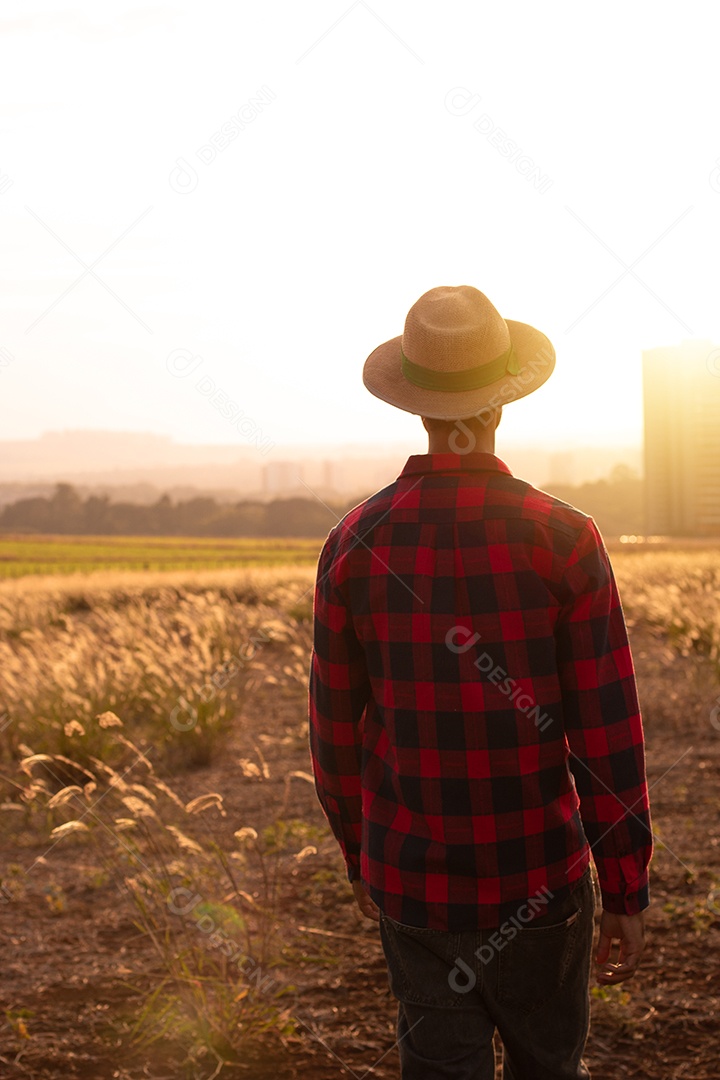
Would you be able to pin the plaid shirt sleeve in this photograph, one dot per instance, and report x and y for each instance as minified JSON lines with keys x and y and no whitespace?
{"x":603,"y":726}
{"x":338,"y":692}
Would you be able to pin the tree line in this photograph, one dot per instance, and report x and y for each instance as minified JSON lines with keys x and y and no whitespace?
{"x":66,"y":512}
{"x":616,"y":504}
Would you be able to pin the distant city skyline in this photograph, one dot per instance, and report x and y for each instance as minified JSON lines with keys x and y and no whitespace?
{"x":88,"y":457}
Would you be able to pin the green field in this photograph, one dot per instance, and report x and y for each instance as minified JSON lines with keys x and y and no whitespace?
{"x":21,"y":555}
{"x":39,"y":554}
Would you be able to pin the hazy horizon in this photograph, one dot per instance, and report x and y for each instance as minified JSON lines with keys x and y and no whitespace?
{"x":107,"y":458}
{"x":317,"y":445}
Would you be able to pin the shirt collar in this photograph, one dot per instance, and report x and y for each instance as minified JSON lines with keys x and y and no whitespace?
{"x":449,"y":462}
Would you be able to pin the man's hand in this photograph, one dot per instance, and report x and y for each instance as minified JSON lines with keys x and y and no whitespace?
{"x":629,"y":931}
{"x":367,"y":906}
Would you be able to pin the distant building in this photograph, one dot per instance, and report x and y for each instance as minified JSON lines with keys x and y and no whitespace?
{"x":681,"y":390}
{"x":332,"y":477}
{"x":282,"y":477}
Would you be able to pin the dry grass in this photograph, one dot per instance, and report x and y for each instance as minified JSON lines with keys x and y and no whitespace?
{"x":170,"y":653}
{"x":677,"y":593}
{"x":215,"y":936}
{"x":174,"y":654}
{"x":92,"y":676}
{"x":93,"y":672}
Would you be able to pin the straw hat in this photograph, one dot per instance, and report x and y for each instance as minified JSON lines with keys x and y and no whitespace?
{"x":457,"y":357}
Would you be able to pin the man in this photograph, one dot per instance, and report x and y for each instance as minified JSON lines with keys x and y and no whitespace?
{"x":474,"y":724}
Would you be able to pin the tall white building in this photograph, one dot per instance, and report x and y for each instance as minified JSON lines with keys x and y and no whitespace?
{"x":681,"y":391}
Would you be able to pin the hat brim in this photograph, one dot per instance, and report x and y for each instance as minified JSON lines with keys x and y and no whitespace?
{"x":383,"y":377}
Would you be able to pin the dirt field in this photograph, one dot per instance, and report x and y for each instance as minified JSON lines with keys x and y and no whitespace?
{"x":77,"y":967}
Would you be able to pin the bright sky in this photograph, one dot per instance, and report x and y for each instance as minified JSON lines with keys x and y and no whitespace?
{"x":292,"y":247}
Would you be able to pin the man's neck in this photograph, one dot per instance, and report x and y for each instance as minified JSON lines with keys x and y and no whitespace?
{"x":461,"y":442}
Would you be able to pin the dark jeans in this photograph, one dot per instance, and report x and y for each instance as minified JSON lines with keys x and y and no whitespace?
{"x":455,"y":989}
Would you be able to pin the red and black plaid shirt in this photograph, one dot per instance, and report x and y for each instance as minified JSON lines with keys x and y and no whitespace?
{"x":474,"y":722}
